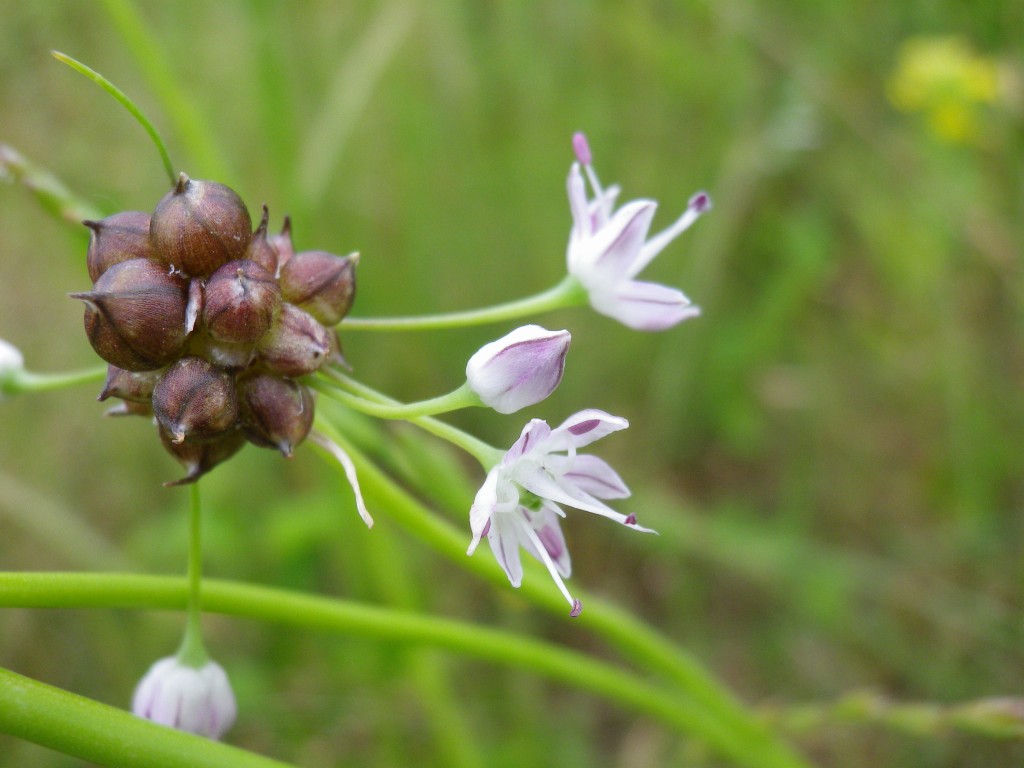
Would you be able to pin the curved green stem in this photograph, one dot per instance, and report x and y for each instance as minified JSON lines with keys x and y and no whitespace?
{"x":639,"y":642}
{"x":192,"y":651}
{"x":81,"y":590}
{"x":486,"y":454}
{"x":463,"y":397}
{"x":106,"y":735}
{"x":125,"y":102}
{"x":20,"y":381}
{"x":567,"y":293}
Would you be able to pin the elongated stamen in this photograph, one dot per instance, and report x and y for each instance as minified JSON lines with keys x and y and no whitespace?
{"x":698,"y":205}
{"x":538,"y":545}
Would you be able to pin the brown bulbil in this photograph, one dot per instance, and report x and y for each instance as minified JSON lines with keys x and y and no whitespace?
{"x":195,"y":401}
{"x":135,"y":315}
{"x":200,"y":225}
{"x":275,"y":412}
{"x":121,"y":237}
{"x":260,"y":249}
{"x":296,"y":343}
{"x":200,"y":458}
{"x":241,"y":301}
{"x":135,"y":386}
{"x":320,"y":283}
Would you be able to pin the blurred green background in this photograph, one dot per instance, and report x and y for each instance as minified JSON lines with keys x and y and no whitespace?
{"x":832,"y":453}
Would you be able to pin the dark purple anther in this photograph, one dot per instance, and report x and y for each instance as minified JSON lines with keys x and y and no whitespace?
{"x":700,"y":202}
{"x":630,"y":520}
{"x":577,"y":609}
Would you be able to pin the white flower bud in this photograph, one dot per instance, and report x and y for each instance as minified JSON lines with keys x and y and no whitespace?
{"x":519,"y":369}
{"x":199,"y":700}
{"x":11,"y":364}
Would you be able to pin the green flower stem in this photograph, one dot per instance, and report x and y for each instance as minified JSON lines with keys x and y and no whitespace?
{"x":463,"y":397}
{"x":20,"y":381}
{"x":125,"y":102}
{"x":192,"y":651}
{"x":486,"y":454}
{"x":106,"y":735}
{"x":50,"y":191}
{"x":641,"y":644}
{"x":567,"y":293}
{"x":82,"y":590}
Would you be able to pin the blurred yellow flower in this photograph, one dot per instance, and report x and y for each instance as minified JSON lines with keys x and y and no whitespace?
{"x":943,"y":78}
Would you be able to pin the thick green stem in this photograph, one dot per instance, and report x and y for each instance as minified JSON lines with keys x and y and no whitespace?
{"x":79,"y":590}
{"x":106,"y":735}
{"x":567,"y":293}
{"x":20,"y":381}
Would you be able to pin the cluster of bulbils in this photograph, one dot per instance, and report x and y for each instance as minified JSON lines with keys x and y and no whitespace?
{"x":208,"y":325}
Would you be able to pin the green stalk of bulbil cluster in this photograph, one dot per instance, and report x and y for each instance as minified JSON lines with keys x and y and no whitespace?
{"x":19,"y":381}
{"x":192,"y":651}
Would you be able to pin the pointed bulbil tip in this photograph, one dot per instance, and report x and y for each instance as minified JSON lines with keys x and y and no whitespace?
{"x":581,"y":148}
{"x":264,"y":220}
{"x":182,"y":185}
{"x":93,"y":225}
{"x":700,"y":202}
{"x":577,"y":609}
{"x":286,"y":449}
{"x":89,"y":297}
{"x":178,"y":436}
{"x":286,"y":227}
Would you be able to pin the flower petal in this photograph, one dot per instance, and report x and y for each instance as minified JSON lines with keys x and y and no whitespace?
{"x":608,"y":256}
{"x":534,"y":434}
{"x":644,"y":306}
{"x":596,"y":477}
{"x":583,"y":428}
{"x":503,"y":536}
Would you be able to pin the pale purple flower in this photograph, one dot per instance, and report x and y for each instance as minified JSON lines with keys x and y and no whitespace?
{"x":519,"y":369}
{"x":608,"y":248}
{"x":518,"y":504}
{"x":199,"y":700}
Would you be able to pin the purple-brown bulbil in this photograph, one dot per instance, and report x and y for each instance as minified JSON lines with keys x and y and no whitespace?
{"x":320,"y":283}
{"x":121,"y":237}
{"x":296,"y":343}
{"x":134,"y":386}
{"x":135,"y":315}
{"x":275,"y":412}
{"x":260,"y":249}
{"x":195,"y":401}
{"x":200,"y":458}
{"x":241,"y":301}
{"x":199,"y":226}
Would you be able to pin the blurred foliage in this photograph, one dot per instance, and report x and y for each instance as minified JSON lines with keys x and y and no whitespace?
{"x":832,"y":452}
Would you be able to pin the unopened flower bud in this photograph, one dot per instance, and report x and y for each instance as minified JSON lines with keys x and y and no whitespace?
{"x":121,"y":237}
{"x":200,"y":458}
{"x":296,"y":343}
{"x":320,"y":283}
{"x":195,"y":400}
{"x":200,"y":225}
{"x":241,"y":301}
{"x":195,"y":700}
{"x":135,"y":315}
{"x":519,"y":369}
{"x":135,"y":386}
{"x":275,"y":412}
